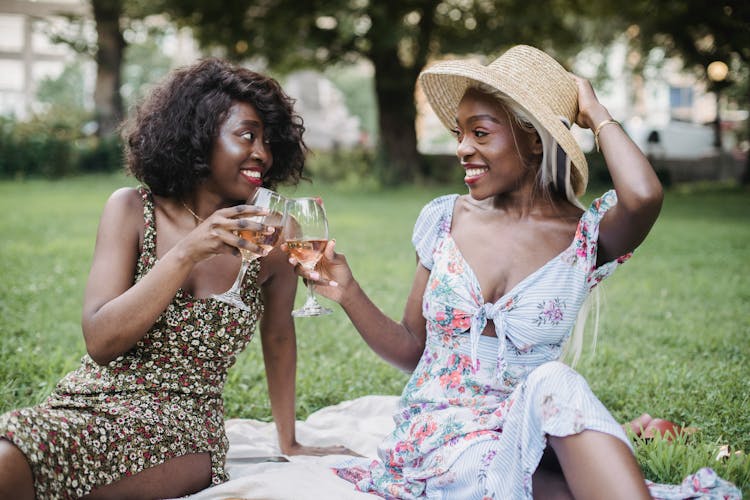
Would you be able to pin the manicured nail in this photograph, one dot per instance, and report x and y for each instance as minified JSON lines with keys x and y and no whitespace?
{"x":333,"y":283}
{"x":314,"y":275}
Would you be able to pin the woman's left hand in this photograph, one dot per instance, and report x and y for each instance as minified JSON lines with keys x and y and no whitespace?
{"x":332,"y":275}
{"x":318,"y":451}
{"x":590,"y":111}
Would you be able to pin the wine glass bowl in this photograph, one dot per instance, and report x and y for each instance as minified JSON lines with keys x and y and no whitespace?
{"x":262,"y":238}
{"x":264,"y":241}
{"x":306,"y":252}
{"x":306,"y":237}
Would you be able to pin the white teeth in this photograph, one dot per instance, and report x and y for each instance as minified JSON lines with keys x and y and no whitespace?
{"x":472,"y":172}
{"x":252,"y":173}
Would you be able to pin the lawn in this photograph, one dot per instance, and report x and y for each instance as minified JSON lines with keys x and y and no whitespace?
{"x":673,"y":337}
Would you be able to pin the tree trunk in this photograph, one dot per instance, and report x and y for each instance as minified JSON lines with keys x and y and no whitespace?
{"x":109,"y":54}
{"x":394,"y":89}
{"x":745,"y":178}
{"x":395,"y":82}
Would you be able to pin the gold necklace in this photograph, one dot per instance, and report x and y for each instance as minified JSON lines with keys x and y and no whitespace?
{"x":198,"y":219}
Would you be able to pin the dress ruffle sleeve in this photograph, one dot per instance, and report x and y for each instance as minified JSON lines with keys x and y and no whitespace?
{"x":434,"y":220}
{"x":587,"y":239}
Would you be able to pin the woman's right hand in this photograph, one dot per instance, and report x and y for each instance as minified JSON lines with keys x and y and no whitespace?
{"x":219,"y":233}
{"x":590,"y":111}
{"x":332,"y":275}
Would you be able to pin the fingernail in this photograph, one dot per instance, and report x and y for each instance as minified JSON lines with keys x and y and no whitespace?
{"x":315,"y":275}
{"x":291,"y":261}
{"x":333,"y":283}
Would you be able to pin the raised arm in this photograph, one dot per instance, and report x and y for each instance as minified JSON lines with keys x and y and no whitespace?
{"x":117,"y":312}
{"x":401,"y":344}
{"x":639,"y":192}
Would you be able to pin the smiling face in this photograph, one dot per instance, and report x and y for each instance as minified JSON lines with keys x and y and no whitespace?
{"x":239,"y":157}
{"x":492,"y":147}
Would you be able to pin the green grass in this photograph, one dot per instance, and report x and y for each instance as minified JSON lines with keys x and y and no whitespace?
{"x":673,"y":337}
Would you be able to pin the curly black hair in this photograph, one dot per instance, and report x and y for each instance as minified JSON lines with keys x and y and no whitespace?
{"x":169,"y":138}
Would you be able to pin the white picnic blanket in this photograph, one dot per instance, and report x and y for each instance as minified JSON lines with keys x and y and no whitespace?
{"x":359,"y":424}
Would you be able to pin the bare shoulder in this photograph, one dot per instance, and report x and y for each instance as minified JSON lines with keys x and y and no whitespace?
{"x":556,"y":225}
{"x":462,"y":202}
{"x":122,"y":217}
{"x":125,"y":198}
{"x":568,"y":210}
{"x":564,"y":214}
{"x":124,"y":203}
{"x":465,"y":206}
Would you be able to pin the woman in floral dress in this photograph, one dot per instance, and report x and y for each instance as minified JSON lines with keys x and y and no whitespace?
{"x":142,"y":417}
{"x":502,"y":274}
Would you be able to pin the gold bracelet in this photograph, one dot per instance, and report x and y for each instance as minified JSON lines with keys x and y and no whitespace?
{"x":599,"y":129}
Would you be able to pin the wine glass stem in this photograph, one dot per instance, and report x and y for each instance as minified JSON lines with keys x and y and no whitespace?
{"x":310,"y":292}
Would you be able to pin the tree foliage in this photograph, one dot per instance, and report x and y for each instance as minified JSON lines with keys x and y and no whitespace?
{"x":398,"y":37}
{"x":699,"y":32}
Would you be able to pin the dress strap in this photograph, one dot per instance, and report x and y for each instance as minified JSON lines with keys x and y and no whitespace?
{"x":147,"y":257}
{"x":433,"y":223}
{"x":587,"y":239}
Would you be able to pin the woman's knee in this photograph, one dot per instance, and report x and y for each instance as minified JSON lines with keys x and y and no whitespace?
{"x":553,"y":372}
{"x":16,"y":478}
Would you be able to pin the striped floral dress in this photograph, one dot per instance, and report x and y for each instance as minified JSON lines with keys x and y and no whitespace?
{"x":160,"y":400}
{"x":474,"y":417}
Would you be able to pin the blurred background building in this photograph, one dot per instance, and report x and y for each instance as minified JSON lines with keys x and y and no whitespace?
{"x":28,"y":56}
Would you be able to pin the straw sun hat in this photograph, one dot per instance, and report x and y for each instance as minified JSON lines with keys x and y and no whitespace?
{"x":528,"y":76}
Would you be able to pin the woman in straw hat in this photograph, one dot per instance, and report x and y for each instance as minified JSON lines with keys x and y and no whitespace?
{"x":502,"y":275}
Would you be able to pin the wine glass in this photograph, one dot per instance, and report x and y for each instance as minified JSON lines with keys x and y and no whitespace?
{"x":306,"y":238}
{"x":275,"y":204}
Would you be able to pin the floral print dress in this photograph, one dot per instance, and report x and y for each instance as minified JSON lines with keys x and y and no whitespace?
{"x":474,"y":417}
{"x":160,"y":400}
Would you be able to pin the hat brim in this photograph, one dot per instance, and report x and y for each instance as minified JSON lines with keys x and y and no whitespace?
{"x":445,"y":84}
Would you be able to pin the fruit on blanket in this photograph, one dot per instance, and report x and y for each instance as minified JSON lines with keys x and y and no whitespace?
{"x":668,"y":430}
{"x":647,"y":427}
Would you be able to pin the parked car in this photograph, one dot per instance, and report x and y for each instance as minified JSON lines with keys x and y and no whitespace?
{"x":674,"y":141}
